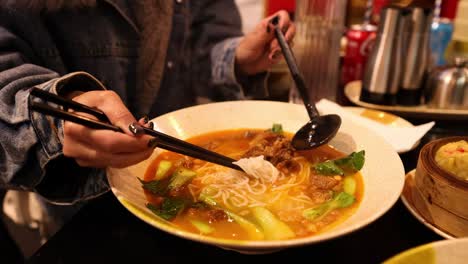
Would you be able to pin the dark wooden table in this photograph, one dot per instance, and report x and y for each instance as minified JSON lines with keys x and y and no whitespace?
{"x":103,"y":231}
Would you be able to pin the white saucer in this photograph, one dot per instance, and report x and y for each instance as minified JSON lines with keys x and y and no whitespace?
{"x":406,"y":197}
{"x":384,"y":118}
{"x":380,"y":116}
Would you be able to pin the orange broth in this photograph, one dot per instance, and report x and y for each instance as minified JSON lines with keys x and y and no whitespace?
{"x":234,"y":143}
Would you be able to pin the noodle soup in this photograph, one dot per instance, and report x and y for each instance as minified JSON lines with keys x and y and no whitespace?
{"x":312,"y":190}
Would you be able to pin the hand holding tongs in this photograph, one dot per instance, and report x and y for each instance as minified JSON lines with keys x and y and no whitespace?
{"x":163,"y":141}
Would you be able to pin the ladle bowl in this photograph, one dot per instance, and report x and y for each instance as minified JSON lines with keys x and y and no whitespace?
{"x":316,"y":132}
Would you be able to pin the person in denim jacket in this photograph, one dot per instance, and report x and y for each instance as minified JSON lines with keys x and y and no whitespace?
{"x":127,"y":58}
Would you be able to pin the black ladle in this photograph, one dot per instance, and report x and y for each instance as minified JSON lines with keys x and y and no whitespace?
{"x":320,"y":129}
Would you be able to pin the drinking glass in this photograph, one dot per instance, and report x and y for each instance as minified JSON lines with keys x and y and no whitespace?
{"x":320,"y":27}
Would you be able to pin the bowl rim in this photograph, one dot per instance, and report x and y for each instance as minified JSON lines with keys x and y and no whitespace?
{"x":430,"y":246}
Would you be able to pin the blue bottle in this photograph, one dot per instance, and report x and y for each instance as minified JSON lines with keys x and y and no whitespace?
{"x":441,"y":34}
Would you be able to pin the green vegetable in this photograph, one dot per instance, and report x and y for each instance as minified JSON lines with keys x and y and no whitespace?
{"x":250,"y":228}
{"x":199,"y":205}
{"x":155,"y":186}
{"x":328,"y":168}
{"x":341,"y":200}
{"x":349,"y":185}
{"x":169,"y":209}
{"x":353,"y":162}
{"x":273,"y":227}
{"x":207,"y":199}
{"x":277,"y":128}
{"x":180,"y":177}
{"x":314,"y":213}
{"x":349,"y":164}
{"x":202,"y":227}
{"x":163,"y":168}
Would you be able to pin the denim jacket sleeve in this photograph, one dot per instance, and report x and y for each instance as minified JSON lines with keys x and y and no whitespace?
{"x":223,"y":73}
{"x":215,"y":49}
{"x":31,"y":156}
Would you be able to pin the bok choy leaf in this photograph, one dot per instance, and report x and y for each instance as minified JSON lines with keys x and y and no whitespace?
{"x":163,"y":168}
{"x":155,"y":187}
{"x":180,"y":177}
{"x":274,"y":228}
{"x":353,"y":162}
{"x":250,"y":228}
{"x":349,"y":185}
{"x":277,"y":128}
{"x":349,"y":164}
{"x":202,"y":227}
{"x":169,"y":209}
{"x":341,"y":200}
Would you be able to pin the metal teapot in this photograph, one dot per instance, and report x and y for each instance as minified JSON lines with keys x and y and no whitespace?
{"x":447,"y":87}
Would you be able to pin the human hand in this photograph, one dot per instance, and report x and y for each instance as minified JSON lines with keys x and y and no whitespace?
{"x":259,"y":49}
{"x":101,"y":148}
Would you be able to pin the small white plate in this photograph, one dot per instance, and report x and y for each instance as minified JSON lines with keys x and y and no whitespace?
{"x":406,"y":198}
{"x":380,"y":116}
{"x":383,"y":118}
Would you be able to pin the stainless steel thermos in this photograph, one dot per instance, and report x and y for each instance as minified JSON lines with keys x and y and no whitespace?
{"x":417,"y":56}
{"x":400,"y":59}
{"x":383,"y":70}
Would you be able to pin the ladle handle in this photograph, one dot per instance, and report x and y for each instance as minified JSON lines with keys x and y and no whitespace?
{"x":296,"y":74}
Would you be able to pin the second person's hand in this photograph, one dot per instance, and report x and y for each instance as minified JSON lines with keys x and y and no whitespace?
{"x":259,"y":49}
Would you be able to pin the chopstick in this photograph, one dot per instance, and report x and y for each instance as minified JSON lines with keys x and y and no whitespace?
{"x":69,"y":103}
{"x":72,"y":117}
{"x":179,"y":146}
{"x":163,"y":141}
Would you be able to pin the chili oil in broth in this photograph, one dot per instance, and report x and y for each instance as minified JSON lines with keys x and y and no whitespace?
{"x":234,"y":144}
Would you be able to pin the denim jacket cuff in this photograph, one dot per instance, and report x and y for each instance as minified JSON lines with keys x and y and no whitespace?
{"x":59,"y":183}
{"x":223,"y":57}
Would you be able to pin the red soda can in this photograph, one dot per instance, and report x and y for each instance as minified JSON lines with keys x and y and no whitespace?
{"x":360,"y":40}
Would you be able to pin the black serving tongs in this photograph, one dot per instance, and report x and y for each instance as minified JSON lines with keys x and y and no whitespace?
{"x":163,"y":141}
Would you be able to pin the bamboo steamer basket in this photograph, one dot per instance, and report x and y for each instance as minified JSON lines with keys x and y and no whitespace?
{"x":440,"y":196}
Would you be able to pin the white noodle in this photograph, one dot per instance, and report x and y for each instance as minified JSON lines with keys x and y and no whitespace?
{"x":238,"y":191}
{"x":239,"y":201}
{"x":259,"y":168}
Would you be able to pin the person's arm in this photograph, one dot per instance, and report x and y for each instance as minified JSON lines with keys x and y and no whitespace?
{"x":215,"y":23}
{"x":238,"y":63}
{"x":40,"y":153}
{"x":31,"y":148}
